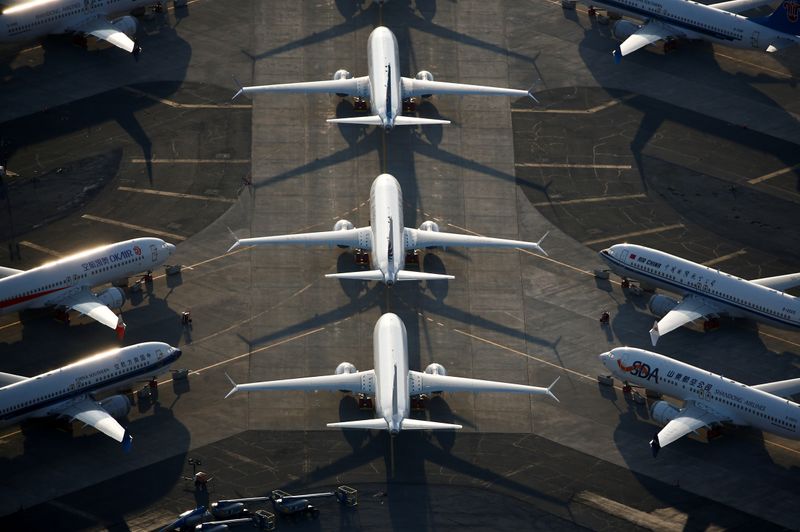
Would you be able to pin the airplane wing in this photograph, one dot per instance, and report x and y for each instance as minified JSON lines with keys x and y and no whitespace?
{"x":427,"y":383}
{"x":359,"y":382}
{"x":8,"y":272}
{"x":779,"y":282}
{"x":87,"y":304}
{"x":419,"y":87}
{"x":91,"y":413}
{"x":353,"y":87}
{"x":691,"y":418}
{"x":739,"y":6}
{"x":10,"y":378}
{"x":105,"y":30}
{"x":690,"y":309}
{"x":416,"y":239}
{"x":649,"y":33}
{"x":786,"y":388}
{"x":360,"y":238}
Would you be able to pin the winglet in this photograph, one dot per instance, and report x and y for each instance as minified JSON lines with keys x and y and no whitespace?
{"x":539,"y":245}
{"x":127,"y":442}
{"x":617,"y":55}
{"x":655,"y":446}
{"x":240,"y":91}
{"x":235,"y":386}
{"x":235,"y":243}
{"x":550,"y":388}
{"x":530,"y":94}
{"x":654,"y":335}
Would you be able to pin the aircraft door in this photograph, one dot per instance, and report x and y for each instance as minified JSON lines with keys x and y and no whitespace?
{"x":624,"y":257}
{"x":754,"y":40}
{"x":159,"y":354}
{"x":154,"y":250}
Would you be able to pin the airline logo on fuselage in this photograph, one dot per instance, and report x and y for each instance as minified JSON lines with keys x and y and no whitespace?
{"x":639,"y":369}
{"x":792,"y":10}
{"x":111,"y":259}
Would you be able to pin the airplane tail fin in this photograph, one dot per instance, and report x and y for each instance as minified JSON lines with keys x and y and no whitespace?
{"x":785,"y":18}
{"x":406,"y":275}
{"x":370,"y":275}
{"x":363,"y":424}
{"x":421,"y":424}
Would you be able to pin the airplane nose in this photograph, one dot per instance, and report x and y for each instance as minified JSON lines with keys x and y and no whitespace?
{"x":177,"y":352}
{"x":605,"y":357}
{"x":170,"y":248}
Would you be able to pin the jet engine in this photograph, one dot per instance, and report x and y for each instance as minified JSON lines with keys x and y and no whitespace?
{"x":345,"y":367}
{"x":424,"y":75}
{"x":117,"y":406}
{"x":436,"y":369}
{"x":343,"y":225}
{"x":663,"y":412}
{"x":342,"y":74}
{"x":126,"y":25}
{"x":227,"y":509}
{"x":429,"y":226}
{"x":661,"y":305}
{"x":622,"y":29}
{"x":113,"y":297}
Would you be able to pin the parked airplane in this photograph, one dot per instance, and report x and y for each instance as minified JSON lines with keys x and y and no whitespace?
{"x":391,"y":383}
{"x":717,"y":23}
{"x":386,"y":238}
{"x":67,"y":283}
{"x":707,"y":292}
{"x":29,"y":20}
{"x":709,"y":399}
{"x":69,"y":391}
{"x":384,"y":86}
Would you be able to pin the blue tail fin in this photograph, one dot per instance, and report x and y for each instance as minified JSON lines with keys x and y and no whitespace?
{"x":786,"y":18}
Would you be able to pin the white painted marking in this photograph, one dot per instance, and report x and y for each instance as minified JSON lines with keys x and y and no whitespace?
{"x":635,"y":233}
{"x":770,"y":175}
{"x":723,"y":258}
{"x":576,"y":166}
{"x":175,"y":194}
{"x":597,"y":199}
{"x":126,"y":225}
{"x":42,"y":249}
{"x":140,"y":160}
{"x":176,"y":105}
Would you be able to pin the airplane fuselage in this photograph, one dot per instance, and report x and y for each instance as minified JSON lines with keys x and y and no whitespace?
{"x":111,"y":370}
{"x":386,"y":220}
{"x":390,"y":348}
{"x":58,"y":16}
{"x":740,"y":298}
{"x":46,"y":285}
{"x":742,"y":404}
{"x":383,"y":60}
{"x":698,"y":21}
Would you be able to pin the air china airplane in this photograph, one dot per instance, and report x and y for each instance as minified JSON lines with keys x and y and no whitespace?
{"x":67,"y":283}
{"x":709,"y":399}
{"x":69,"y":391}
{"x":384,"y":86}
{"x":391,"y":383}
{"x":706,"y":292}
{"x":29,"y":20}
{"x":717,"y":23}
{"x":386,"y":238}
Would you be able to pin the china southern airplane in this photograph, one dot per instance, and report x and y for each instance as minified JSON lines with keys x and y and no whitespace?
{"x":709,"y":399}
{"x":706,"y":292}
{"x":67,"y":283}
{"x":29,"y":20}
{"x":717,"y":23}
{"x":69,"y":391}
{"x":384,"y":86}
{"x":386,"y":238}
{"x":391,"y":383}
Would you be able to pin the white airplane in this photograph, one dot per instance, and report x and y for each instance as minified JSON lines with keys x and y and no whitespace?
{"x":384,"y":86}
{"x":386,"y":238}
{"x":69,"y":391}
{"x":67,"y":283}
{"x":709,"y":399}
{"x":32,"y":19}
{"x":391,"y":383}
{"x":707,"y":292}
{"x":717,"y":23}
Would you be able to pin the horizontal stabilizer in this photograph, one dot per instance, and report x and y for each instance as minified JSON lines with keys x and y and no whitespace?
{"x":363,"y":424}
{"x":417,"y":121}
{"x":372,"y":120}
{"x":779,"y":282}
{"x":406,"y":275}
{"x":369,"y":275}
{"x":421,"y":424}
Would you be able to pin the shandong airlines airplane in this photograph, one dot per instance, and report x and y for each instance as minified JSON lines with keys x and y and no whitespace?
{"x":706,"y":292}
{"x":384,"y":86}
{"x":31,"y":19}
{"x":391,"y":383}
{"x":69,"y":391}
{"x":717,"y":23}
{"x":709,"y":399}
{"x":386,"y":238}
{"x":67,"y":283}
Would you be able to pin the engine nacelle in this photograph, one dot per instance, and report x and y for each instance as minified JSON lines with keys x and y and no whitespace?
{"x":663,"y":412}
{"x":622,"y":29}
{"x":126,"y":25}
{"x":429,"y":226}
{"x":227,"y":509}
{"x":660,"y":305}
{"x":436,"y":369}
{"x":112,"y":297}
{"x":424,"y":75}
{"x":343,"y":225}
{"x":342,"y":74}
{"x":345,"y":367}
{"x":117,"y":406}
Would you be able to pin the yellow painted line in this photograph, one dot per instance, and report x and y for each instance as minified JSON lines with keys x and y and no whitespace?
{"x":176,"y":105}
{"x":635,"y":233}
{"x":754,"y":65}
{"x":723,"y":258}
{"x":126,"y":225}
{"x":175,"y":194}
{"x":43,"y":249}
{"x":598,"y":199}
{"x":658,"y":523}
{"x":577,"y":166}
{"x":770,"y":175}
{"x":141,"y":160}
